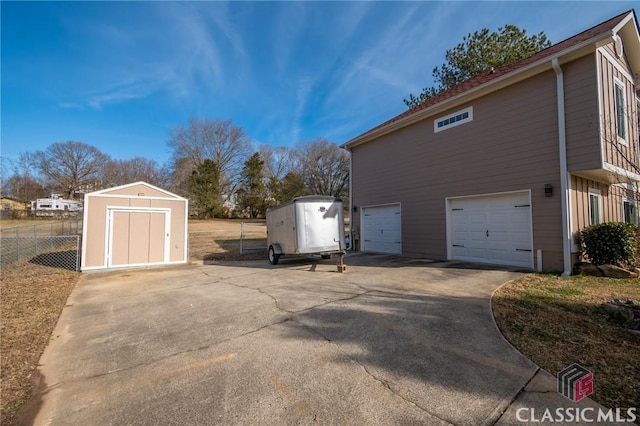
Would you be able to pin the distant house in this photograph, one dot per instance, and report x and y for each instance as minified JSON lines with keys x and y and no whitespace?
{"x":507,"y":167}
{"x":7,"y":203}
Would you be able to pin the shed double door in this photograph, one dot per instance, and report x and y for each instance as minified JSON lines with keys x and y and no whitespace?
{"x":138,"y":237}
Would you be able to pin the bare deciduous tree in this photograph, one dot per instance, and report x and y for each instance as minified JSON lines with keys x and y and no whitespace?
{"x":121,"y":172}
{"x":24,"y":184}
{"x":278,"y":161}
{"x":220,"y":141}
{"x":71,"y":165}
{"x":23,"y":188}
{"x":324,"y":168}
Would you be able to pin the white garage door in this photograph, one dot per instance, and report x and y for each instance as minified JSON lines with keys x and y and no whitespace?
{"x":381,"y":229}
{"x":492,"y":229}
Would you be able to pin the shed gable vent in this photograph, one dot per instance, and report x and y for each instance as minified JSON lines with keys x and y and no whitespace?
{"x":452,"y":120}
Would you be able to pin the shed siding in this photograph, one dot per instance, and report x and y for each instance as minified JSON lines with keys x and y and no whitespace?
{"x":178,"y":225}
{"x":136,"y":190}
{"x":96,"y":228}
{"x":510,"y":145}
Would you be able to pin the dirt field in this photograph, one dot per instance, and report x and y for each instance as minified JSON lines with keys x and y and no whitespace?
{"x":220,"y":239}
{"x":12,"y":223}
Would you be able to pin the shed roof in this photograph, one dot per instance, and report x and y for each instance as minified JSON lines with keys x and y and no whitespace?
{"x":625,"y":24}
{"x":136,"y":189}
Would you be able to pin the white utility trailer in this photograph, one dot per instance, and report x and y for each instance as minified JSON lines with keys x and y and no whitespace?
{"x":313,"y":224}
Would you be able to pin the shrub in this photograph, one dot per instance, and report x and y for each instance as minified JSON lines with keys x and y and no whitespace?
{"x":612,"y":243}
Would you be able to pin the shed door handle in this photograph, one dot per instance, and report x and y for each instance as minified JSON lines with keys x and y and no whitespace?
{"x":487,"y":233}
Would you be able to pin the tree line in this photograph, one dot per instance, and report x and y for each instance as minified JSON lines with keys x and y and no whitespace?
{"x":213,"y":163}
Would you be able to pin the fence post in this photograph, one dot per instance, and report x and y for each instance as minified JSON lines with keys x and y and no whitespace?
{"x":241,"y":237}
{"x":18,"y":244}
{"x":35,"y":238}
{"x":78,"y":253}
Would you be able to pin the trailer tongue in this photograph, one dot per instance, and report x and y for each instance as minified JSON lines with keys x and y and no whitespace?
{"x":309,"y":225}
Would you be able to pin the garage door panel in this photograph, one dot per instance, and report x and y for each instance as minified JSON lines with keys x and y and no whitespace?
{"x":478,"y":252}
{"x":500,"y":236}
{"x":523,"y":256}
{"x":477,"y":219}
{"x":521,"y":237}
{"x":499,"y":255}
{"x":460,"y":219}
{"x":460,"y":235}
{"x":492,"y":229}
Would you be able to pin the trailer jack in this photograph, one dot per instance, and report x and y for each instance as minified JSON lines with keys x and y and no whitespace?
{"x":341,"y":266}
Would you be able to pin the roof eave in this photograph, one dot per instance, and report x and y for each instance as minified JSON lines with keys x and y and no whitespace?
{"x":510,"y":78}
{"x":628,"y":30}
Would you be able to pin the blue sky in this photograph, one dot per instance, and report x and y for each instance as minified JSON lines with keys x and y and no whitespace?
{"x":120,"y":75}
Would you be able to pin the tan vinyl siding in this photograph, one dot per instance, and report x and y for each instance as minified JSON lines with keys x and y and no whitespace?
{"x":584,"y":151}
{"x":615,"y":153}
{"x":511,"y":145}
{"x":612,"y":197}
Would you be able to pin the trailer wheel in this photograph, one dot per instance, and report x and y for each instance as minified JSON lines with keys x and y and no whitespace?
{"x":326,"y":256}
{"x":273,"y":257}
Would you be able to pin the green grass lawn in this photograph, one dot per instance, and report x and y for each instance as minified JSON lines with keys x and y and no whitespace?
{"x":558,"y":321}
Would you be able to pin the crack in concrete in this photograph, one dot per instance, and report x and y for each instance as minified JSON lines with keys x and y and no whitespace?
{"x":169,"y":356}
{"x":520,"y":392}
{"x":156,"y":360}
{"x":384,"y":383}
{"x":277,"y":304}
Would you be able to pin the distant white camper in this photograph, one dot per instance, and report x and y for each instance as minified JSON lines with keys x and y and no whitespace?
{"x":313,"y":224}
{"x":55,"y":205}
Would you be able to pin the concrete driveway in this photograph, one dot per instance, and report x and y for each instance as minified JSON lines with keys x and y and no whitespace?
{"x":391,"y":341}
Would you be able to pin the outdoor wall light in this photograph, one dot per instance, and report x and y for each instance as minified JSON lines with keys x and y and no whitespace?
{"x":548,"y":190}
{"x":355,"y":208}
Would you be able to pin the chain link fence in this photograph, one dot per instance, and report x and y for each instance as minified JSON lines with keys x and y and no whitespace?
{"x":251,"y":240}
{"x":55,"y":244}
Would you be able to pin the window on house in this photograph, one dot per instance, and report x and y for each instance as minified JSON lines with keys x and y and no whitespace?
{"x":595,"y":207}
{"x":621,"y":115}
{"x":630,"y":212}
{"x":452,"y":120}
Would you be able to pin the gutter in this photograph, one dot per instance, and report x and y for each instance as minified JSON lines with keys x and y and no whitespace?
{"x":351,"y":209}
{"x":565,"y":181}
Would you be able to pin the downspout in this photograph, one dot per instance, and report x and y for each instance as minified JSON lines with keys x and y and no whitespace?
{"x":565,"y":182}
{"x":351,"y":210}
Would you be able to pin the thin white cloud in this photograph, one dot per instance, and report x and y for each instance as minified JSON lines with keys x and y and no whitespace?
{"x":184,"y":48}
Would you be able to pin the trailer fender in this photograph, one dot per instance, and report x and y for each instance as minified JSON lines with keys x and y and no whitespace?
{"x":276,"y":248}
